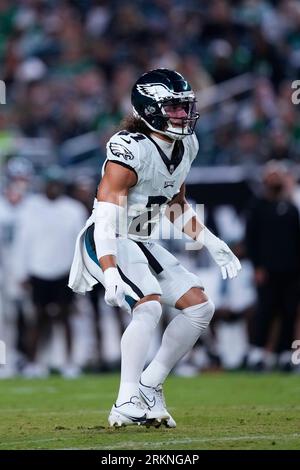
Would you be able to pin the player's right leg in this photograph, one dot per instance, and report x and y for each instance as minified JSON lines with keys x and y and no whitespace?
{"x":129,"y":409}
{"x":143,"y":298}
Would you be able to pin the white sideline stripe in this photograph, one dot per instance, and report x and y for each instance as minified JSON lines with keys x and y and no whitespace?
{"x":163,"y":442}
{"x":58,"y":412}
{"x":25,"y":441}
{"x":188,"y":440}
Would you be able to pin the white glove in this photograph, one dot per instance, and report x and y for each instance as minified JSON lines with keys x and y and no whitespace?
{"x":114,"y":288}
{"x":222,"y":255}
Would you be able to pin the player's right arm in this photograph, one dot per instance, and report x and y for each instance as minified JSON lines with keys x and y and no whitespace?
{"x":112,"y":191}
{"x":109,"y":212}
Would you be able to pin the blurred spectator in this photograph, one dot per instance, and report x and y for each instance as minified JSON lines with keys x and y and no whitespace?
{"x":18,"y":179}
{"x":83,"y":188}
{"x":45,"y":238}
{"x":235,"y":301}
{"x":68,"y":67}
{"x":235,"y":306}
{"x":293,"y":187}
{"x":99,"y":362}
{"x":273,"y":242}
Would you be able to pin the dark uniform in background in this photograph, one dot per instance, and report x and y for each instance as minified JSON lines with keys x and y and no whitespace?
{"x":273,"y":243}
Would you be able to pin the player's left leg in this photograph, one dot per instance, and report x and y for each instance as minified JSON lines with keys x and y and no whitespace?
{"x":181,"y":289}
{"x":180,"y":335}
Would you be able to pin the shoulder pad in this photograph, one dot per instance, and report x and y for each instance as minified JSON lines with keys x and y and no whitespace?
{"x":193,"y":146}
{"x":124,"y":148}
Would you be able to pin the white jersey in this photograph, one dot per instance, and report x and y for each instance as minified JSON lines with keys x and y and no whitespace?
{"x":159,"y":178}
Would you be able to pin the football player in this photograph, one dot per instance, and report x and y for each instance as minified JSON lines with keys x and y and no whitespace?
{"x":146,"y":166}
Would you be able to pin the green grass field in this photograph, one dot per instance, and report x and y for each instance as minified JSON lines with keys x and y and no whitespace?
{"x":213,"y":411}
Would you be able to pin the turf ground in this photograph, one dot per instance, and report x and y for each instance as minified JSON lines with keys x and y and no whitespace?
{"x":213,"y":411}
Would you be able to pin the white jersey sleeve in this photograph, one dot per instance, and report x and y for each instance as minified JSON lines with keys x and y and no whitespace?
{"x":124,"y":149}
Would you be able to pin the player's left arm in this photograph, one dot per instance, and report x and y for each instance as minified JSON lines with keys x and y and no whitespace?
{"x":182,"y":215}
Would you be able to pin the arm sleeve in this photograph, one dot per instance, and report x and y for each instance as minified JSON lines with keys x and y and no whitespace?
{"x":109,"y":221}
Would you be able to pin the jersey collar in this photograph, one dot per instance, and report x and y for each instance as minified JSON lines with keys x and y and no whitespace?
{"x":177,"y":154}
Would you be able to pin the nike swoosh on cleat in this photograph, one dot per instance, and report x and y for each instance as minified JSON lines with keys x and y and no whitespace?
{"x":149,"y":402}
{"x":142,"y":419}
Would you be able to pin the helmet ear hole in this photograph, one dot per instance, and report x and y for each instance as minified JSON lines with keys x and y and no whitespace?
{"x":156,"y":88}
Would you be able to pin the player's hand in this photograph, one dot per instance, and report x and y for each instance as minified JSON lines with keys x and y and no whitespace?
{"x":222,"y":255}
{"x":114,"y":288}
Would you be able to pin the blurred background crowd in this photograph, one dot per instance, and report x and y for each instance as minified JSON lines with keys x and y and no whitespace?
{"x":68,"y":67}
